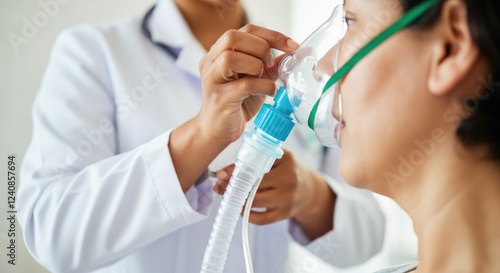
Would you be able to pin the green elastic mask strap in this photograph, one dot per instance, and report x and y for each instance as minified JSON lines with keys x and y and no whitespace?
{"x":403,"y":22}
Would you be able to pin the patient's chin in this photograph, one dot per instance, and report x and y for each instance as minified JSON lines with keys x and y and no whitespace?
{"x":359,"y":177}
{"x":352,"y":174}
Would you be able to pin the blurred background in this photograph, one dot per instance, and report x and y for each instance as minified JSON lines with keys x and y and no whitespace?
{"x":22,"y":66}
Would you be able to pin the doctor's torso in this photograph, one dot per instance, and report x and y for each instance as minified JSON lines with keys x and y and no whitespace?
{"x":151,"y":94}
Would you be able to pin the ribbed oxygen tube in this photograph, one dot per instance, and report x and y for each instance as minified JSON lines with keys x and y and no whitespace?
{"x":243,"y":178}
{"x":256,"y":156}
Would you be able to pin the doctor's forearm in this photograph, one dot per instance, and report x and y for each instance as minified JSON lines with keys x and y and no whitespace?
{"x":192,"y":150}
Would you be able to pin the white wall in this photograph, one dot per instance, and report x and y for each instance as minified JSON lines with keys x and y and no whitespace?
{"x":307,"y":16}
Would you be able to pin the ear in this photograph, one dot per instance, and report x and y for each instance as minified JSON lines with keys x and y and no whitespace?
{"x":454,"y":52}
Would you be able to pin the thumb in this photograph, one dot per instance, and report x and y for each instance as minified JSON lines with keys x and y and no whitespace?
{"x":273,"y":72}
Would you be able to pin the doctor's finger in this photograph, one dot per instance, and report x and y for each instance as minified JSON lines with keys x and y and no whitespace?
{"x":226,"y":172}
{"x":285,"y":178}
{"x":239,"y":41}
{"x":268,"y":217}
{"x":271,"y":198}
{"x":221,"y":186}
{"x":272,"y":72}
{"x":239,"y":90}
{"x":275,"y":39}
{"x":230,"y":64}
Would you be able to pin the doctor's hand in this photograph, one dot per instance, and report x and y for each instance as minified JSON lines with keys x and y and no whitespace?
{"x":290,"y":190}
{"x":236,"y":74}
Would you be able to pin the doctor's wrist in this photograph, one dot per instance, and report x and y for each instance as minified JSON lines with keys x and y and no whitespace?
{"x":212,"y":132}
{"x":192,"y":151}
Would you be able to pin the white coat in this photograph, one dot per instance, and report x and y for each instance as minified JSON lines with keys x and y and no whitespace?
{"x":99,"y":191}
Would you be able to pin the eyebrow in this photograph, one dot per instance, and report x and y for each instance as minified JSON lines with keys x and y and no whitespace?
{"x":349,"y":13}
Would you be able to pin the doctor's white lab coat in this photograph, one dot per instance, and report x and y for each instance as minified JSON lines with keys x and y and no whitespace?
{"x":99,"y":191}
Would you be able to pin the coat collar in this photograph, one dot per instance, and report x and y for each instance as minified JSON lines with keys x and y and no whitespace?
{"x":167,"y":26}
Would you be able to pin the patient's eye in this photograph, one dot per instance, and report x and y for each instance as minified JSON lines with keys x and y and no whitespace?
{"x":349,"y":21}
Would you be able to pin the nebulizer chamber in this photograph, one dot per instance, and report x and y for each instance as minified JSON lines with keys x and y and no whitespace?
{"x":304,"y":74}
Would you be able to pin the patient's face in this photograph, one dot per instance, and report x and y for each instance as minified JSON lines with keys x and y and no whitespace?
{"x":385,"y":99}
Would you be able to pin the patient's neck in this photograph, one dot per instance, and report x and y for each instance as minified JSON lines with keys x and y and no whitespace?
{"x":455,"y":206}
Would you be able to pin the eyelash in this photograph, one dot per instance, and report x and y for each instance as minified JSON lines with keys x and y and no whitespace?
{"x":349,"y":21}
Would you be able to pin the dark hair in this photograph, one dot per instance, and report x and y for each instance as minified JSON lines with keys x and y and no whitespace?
{"x":483,"y":125}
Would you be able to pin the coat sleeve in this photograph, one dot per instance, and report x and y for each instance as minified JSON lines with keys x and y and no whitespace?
{"x":82,"y":205}
{"x":358,"y":227}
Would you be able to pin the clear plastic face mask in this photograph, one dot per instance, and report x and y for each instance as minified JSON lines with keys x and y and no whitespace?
{"x":304,"y":76}
{"x":311,"y":74}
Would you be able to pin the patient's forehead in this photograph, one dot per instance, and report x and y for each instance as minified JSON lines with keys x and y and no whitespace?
{"x":373,"y":6}
{"x":371,"y":1}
